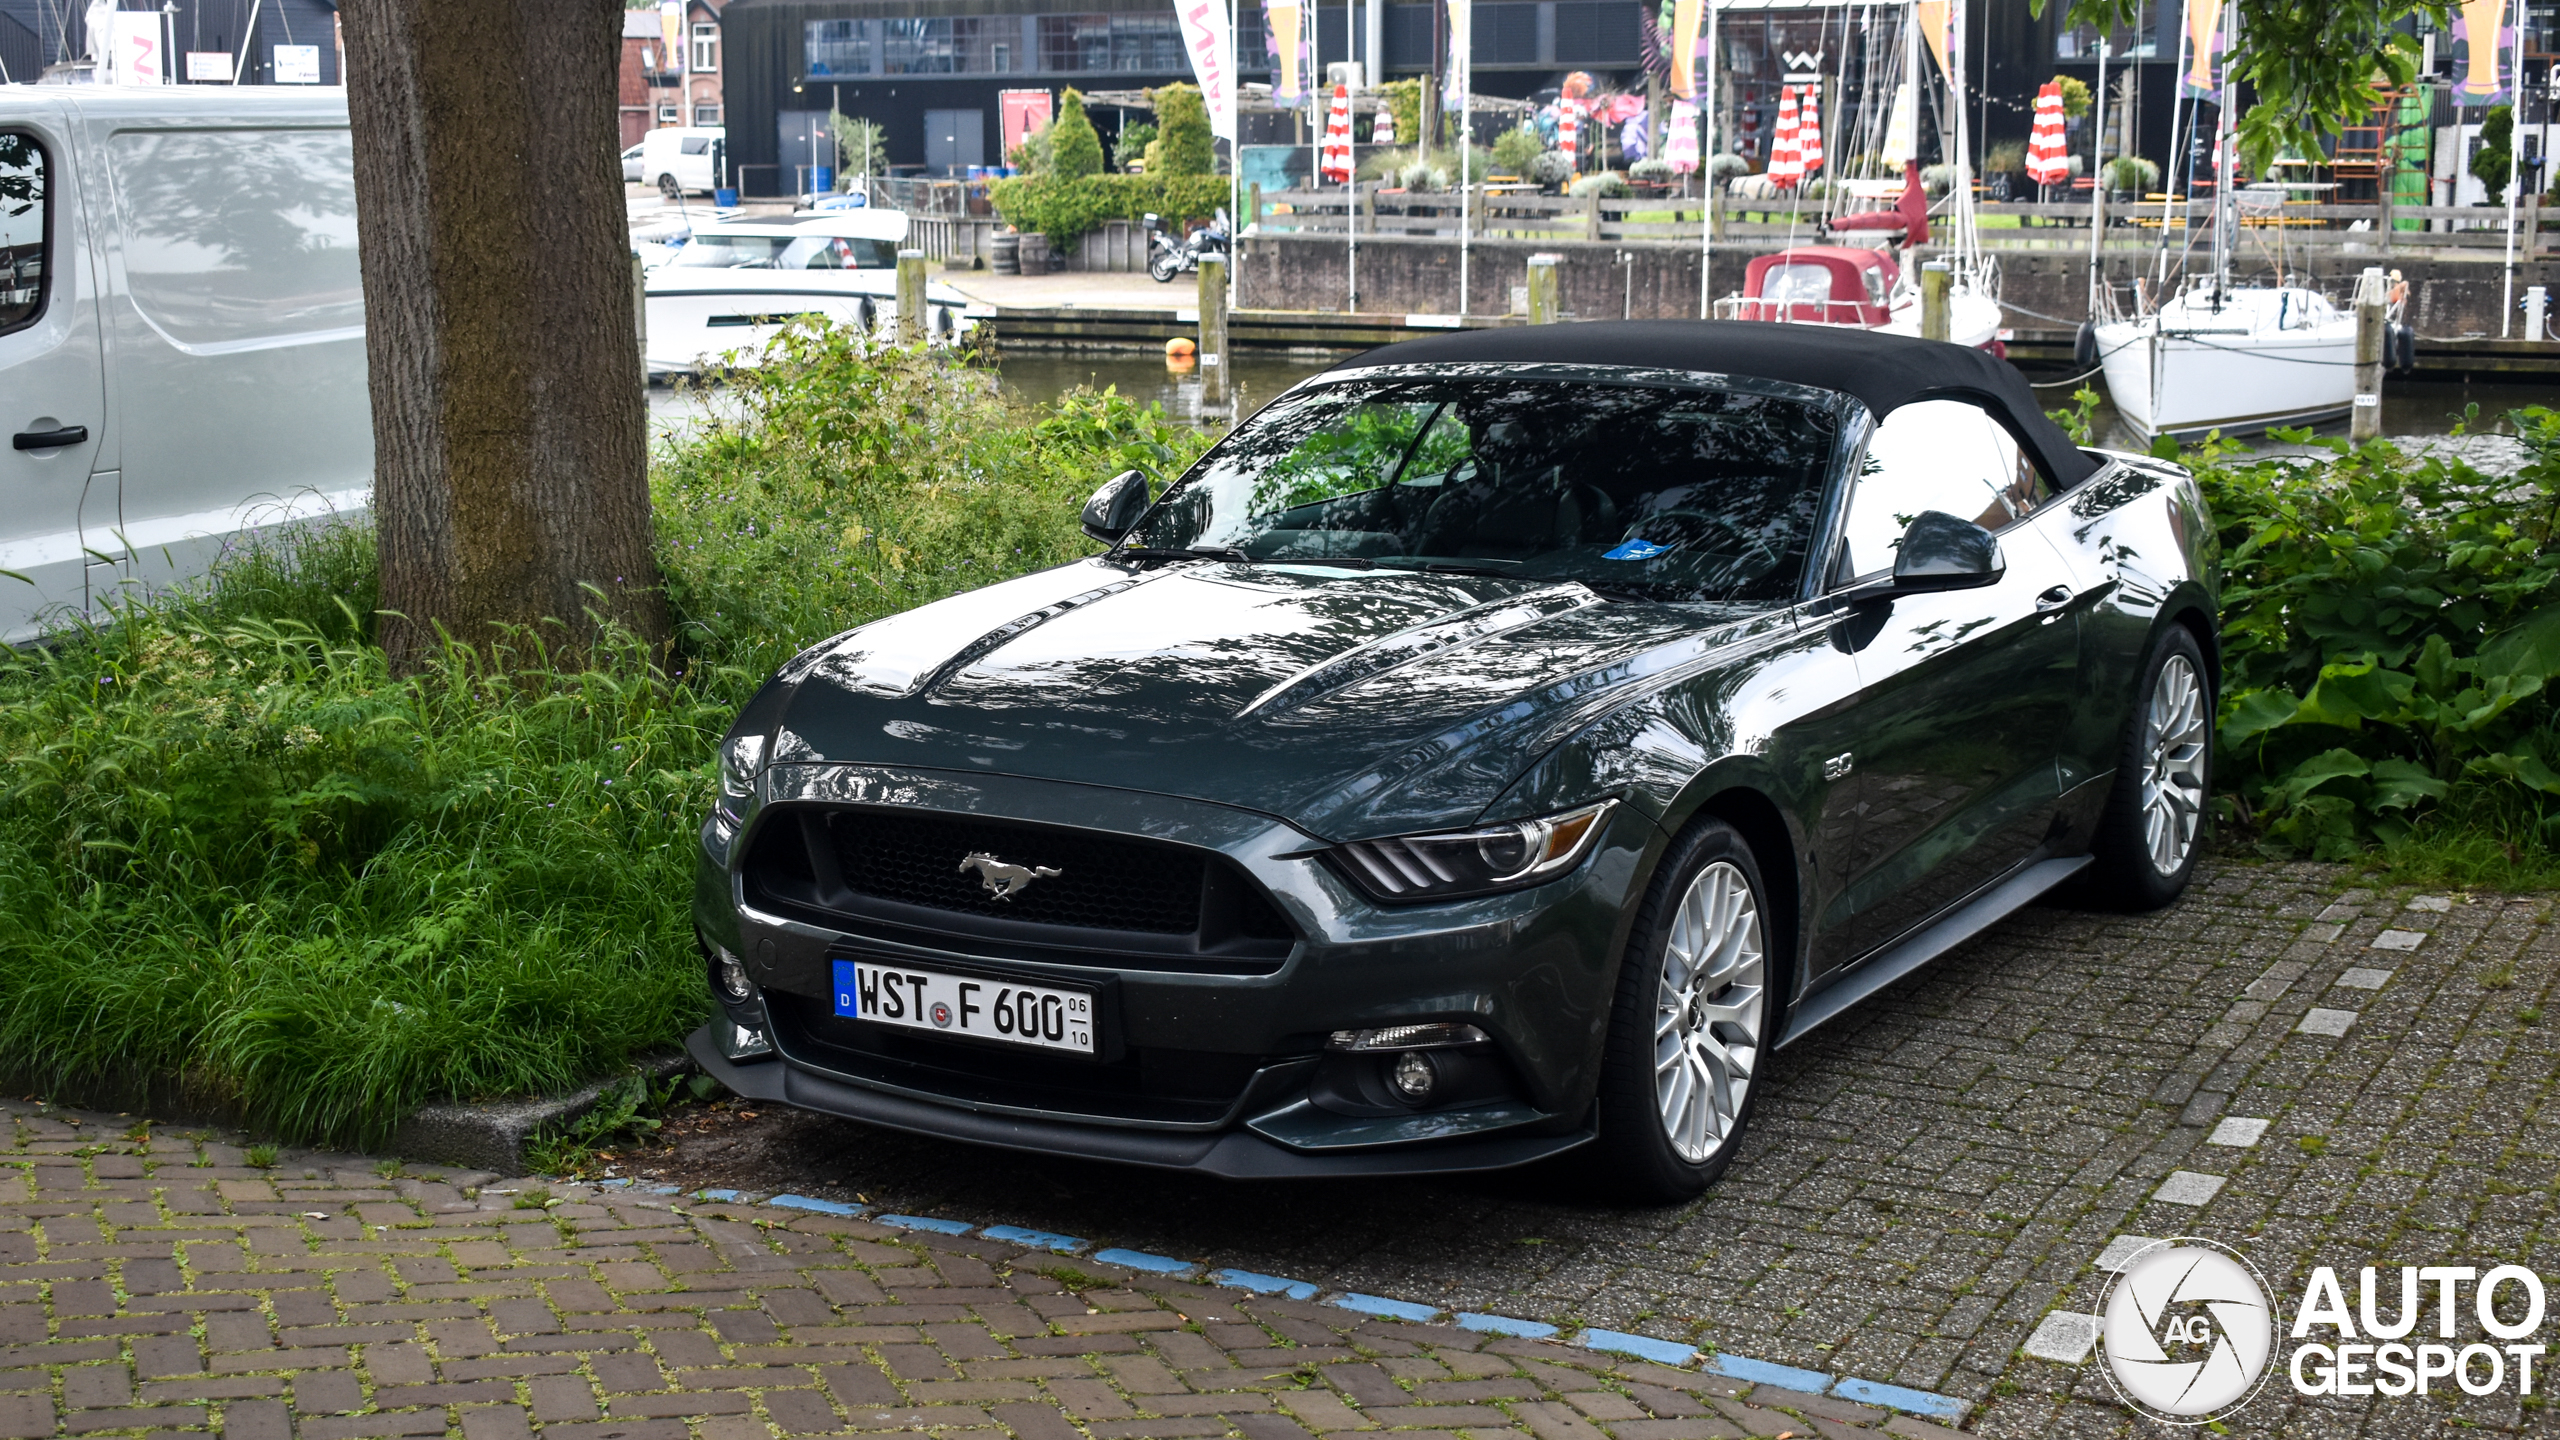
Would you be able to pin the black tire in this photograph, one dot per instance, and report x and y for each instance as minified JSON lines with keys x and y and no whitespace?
{"x":668,"y":187}
{"x":1643,"y":1162}
{"x":1164,"y":267}
{"x":2126,"y":875}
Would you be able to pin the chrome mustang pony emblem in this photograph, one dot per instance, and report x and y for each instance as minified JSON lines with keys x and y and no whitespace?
{"x":1003,"y":877}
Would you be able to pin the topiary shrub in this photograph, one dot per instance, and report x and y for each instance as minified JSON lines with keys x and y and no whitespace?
{"x":1183,"y":145}
{"x":1074,"y":150}
{"x":2494,"y":162}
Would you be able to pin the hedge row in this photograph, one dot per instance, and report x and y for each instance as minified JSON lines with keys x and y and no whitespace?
{"x":1067,"y":210}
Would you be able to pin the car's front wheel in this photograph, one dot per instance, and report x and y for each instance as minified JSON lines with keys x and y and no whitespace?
{"x":668,"y":187}
{"x":1689,"y":1031}
{"x":2153,"y":826}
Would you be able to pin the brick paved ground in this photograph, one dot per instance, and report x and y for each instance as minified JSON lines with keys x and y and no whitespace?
{"x":1930,"y":1184}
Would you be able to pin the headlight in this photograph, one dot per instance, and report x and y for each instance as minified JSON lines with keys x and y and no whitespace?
{"x":1407,"y":868}
{"x":741,"y":760}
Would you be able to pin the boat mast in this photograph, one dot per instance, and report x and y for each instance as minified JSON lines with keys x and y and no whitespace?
{"x":1966,"y":239}
{"x":2226,"y":213}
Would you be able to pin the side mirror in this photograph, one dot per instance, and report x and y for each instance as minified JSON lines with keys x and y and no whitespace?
{"x":1116,"y":507}
{"x":1941,"y":552}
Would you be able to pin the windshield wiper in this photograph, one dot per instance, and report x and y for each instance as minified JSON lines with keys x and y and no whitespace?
{"x":1198,"y":552}
{"x":1436,"y":567}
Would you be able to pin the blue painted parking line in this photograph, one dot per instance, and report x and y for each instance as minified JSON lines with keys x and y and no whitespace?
{"x":1761,"y":1372}
{"x":1504,"y":1325}
{"x":1643,"y":1347}
{"x":1918,"y":1402}
{"x":1391,"y":1309}
{"x":1141,"y":1260}
{"x":1036,"y":1239}
{"x":926,"y":1222}
{"x":823,"y":1207}
{"x":1263,"y":1284}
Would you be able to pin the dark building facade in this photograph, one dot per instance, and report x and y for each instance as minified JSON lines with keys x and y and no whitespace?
{"x":38,"y":33}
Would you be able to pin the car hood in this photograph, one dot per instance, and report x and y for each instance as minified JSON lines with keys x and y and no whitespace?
{"x":1350,"y":703}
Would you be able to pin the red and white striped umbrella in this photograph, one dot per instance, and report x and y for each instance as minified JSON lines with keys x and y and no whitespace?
{"x":1786,"y":163}
{"x":2045,"y":162}
{"x":1335,"y":159}
{"x":1382,"y":131}
{"x":1809,"y":129}
{"x":1569,"y":130}
{"x":1680,"y":142}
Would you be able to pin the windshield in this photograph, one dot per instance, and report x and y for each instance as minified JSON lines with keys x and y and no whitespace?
{"x":787,"y":252}
{"x":1672,"y":494}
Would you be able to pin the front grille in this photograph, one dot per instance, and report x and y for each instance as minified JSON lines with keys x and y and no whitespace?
{"x":1114,"y":902}
{"x":1101,"y":883}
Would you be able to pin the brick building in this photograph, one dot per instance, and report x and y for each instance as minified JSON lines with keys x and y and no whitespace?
{"x":662,"y":88}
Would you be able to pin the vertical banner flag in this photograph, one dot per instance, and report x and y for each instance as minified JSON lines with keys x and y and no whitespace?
{"x":1685,"y":15}
{"x":1453,"y":84}
{"x":1680,"y":141}
{"x":2045,"y":163}
{"x":1206,"y":34}
{"x":137,"y":57}
{"x":671,"y":30}
{"x":2490,"y":44}
{"x":1282,"y":34}
{"x":1336,"y":158}
{"x":1932,"y":15}
{"x":2204,"y":50}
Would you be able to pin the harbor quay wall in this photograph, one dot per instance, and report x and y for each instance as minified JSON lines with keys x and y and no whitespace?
{"x":2451,"y":295}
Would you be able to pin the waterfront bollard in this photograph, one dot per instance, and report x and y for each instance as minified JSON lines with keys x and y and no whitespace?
{"x":1213,"y":333}
{"x":1542,"y":289}
{"x":1937,"y":284}
{"x":911,"y":307}
{"x":2365,"y":421}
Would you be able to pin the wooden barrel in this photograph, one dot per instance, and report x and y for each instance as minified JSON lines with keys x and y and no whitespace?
{"x":1034,"y":259}
{"x":1008,"y":255}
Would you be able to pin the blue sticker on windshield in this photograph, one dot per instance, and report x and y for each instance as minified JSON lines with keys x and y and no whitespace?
{"x":1634,"y":550}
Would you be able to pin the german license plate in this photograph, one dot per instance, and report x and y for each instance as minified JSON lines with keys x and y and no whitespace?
{"x":913,"y":997}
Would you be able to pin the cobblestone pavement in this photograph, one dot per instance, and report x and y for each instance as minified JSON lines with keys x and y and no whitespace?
{"x":1933,"y":1179}
{"x":1928,"y":1199}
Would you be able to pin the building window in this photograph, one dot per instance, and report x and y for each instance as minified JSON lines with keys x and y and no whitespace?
{"x":706,"y":49}
{"x":912,"y":46}
{"x":838,"y":47}
{"x":2080,"y":42}
{"x":706,"y":114}
{"x":670,"y":115}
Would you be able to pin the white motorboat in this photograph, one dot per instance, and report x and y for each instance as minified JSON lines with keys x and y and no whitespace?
{"x":2229,"y":357}
{"x":719,"y":299}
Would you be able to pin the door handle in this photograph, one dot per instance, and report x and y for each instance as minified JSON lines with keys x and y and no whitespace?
{"x":48,"y":439}
{"x":2055,"y":598}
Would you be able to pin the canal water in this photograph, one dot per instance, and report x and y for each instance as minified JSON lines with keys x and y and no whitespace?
{"x":2409,"y":407}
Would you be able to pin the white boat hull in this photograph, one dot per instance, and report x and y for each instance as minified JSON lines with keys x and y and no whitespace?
{"x":2181,"y":373}
{"x":692,"y":331}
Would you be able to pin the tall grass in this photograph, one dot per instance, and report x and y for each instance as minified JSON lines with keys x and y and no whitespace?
{"x":237,"y":853}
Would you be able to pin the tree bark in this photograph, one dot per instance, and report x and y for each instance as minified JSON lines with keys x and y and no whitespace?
{"x":510,"y":425}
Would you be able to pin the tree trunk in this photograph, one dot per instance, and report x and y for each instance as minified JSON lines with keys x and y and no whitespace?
{"x":510,"y":427}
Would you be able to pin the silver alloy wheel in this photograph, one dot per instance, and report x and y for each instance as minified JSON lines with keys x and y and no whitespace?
{"x":1709,"y":1006}
{"x":2173,"y":759}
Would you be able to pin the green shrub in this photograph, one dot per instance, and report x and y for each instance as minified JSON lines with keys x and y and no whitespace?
{"x":2494,"y":161}
{"x":862,"y":148}
{"x":1514,"y":151}
{"x":2075,"y":96}
{"x":1074,"y":150}
{"x":1404,"y":102}
{"x":2390,"y":625}
{"x":2132,"y":172}
{"x":236,"y":851}
{"x":1184,"y":144}
{"x":1067,"y":210}
{"x":1132,"y":145}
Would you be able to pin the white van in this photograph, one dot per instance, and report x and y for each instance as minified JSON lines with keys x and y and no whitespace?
{"x":181,"y":333}
{"x":682,"y":157}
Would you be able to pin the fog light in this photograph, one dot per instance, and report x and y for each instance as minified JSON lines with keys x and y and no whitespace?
{"x":1413,"y":1077}
{"x":729,"y":976}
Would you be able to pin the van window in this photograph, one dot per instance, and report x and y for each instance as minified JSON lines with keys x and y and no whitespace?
{"x":26,"y":215}
{"x":236,"y":235}
{"x":696,"y":145}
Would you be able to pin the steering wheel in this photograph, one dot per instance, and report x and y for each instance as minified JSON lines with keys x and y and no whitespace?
{"x":1692,"y":529}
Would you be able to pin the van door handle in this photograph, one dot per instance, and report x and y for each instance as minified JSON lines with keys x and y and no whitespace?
{"x":2059,"y":595}
{"x":48,"y":439}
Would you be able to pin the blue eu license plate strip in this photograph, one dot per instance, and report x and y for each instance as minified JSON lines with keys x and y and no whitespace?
{"x":914,"y":997}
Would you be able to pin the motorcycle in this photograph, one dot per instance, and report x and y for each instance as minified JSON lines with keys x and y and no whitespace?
{"x":1168,"y":257}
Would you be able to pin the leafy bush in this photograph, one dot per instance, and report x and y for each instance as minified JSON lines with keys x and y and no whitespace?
{"x":1074,"y":150}
{"x":862,"y":148}
{"x":1404,"y":102}
{"x":2390,"y":625}
{"x":1551,"y":168}
{"x":2007,"y":157}
{"x":2075,"y":96}
{"x":1132,"y":145}
{"x":1608,"y":185}
{"x":1067,"y":210}
{"x":2494,"y":161}
{"x":2132,"y":172}
{"x":235,"y":850}
{"x":1184,"y":145}
{"x":1650,"y":170}
{"x":1515,"y":150}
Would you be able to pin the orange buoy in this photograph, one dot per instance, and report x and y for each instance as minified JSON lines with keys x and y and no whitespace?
{"x":1180,"y":348}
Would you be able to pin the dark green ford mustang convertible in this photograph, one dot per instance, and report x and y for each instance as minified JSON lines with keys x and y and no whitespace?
{"x":1497,"y":747}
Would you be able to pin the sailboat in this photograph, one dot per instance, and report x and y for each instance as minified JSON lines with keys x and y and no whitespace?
{"x":1869,"y":286}
{"x":2216,"y":355}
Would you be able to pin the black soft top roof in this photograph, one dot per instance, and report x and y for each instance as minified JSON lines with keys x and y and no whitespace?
{"x":1882,"y":371}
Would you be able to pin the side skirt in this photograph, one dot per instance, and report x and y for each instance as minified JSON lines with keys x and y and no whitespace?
{"x":1931,"y":941}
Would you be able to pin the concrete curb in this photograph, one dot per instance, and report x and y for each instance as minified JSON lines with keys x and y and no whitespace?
{"x":492,"y":1135}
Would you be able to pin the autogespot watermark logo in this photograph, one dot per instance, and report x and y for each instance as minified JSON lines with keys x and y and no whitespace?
{"x":2189,"y":1335}
{"x":2187,"y":1330}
